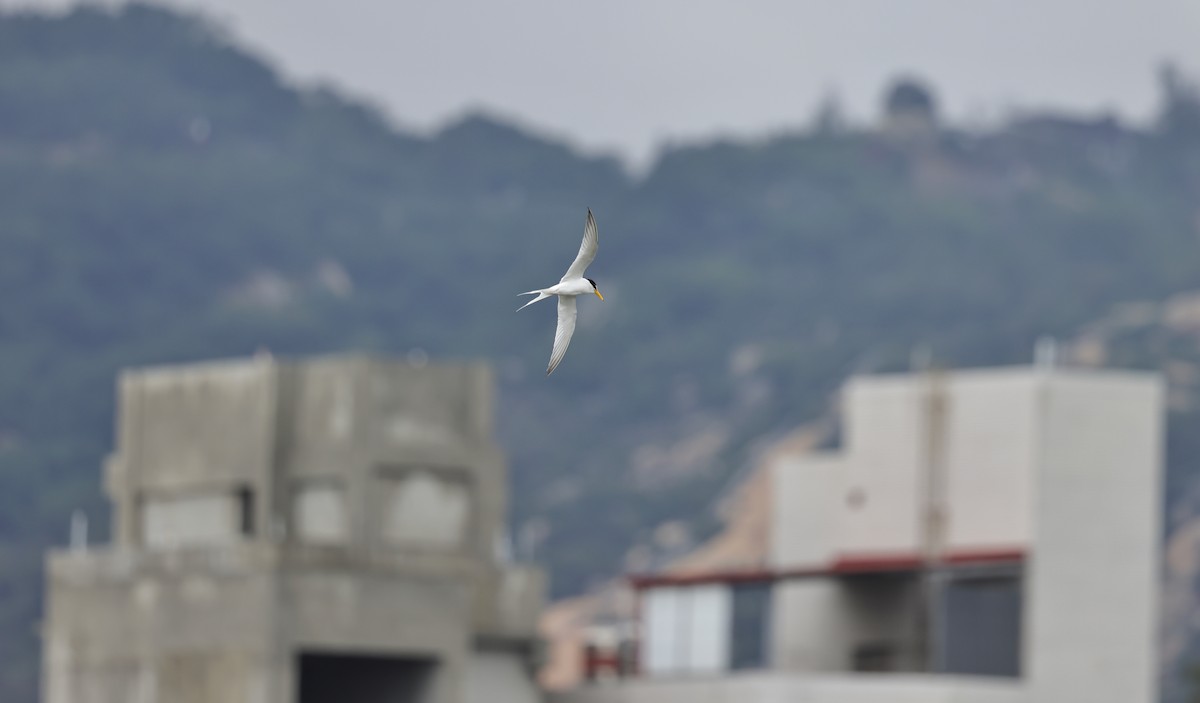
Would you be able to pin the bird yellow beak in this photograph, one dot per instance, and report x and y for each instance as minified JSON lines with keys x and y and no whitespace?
{"x":597,"y":292}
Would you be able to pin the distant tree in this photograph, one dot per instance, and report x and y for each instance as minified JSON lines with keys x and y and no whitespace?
{"x":1180,"y":111}
{"x":909,"y":108}
{"x":829,"y":117}
{"x":1191,"y":677}
{"x":909,"y":96}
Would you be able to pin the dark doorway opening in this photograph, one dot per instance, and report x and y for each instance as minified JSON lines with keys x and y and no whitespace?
{"x":750,"y":629}
{"x":354,"y":678}
{"x":982,"y":625}
{"x":245,"y":498}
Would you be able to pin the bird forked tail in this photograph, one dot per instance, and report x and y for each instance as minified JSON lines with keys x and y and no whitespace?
{"x":541,"y":295}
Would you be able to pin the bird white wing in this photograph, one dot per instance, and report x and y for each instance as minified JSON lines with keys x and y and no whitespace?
{"x":587,"y":249}
{"x":562,"y":334}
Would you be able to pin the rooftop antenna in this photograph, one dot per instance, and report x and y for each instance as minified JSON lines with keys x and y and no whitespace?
{"x":934,"y":513}
{"x":79,"y":531}
{"x":1045,"y":353}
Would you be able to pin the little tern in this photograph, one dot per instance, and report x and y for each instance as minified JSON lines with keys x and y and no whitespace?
{"x":572,"y":285}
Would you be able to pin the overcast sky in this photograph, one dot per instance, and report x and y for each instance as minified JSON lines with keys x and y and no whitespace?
{"x":628,"y":74}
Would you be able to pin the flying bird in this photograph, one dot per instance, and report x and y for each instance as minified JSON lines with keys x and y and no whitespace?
{"x":572,"y":285}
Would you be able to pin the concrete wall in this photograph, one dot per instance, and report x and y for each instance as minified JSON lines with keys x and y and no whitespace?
{"x":129,"y":629}
{"x":340,"y":609}
{"x":980,"y":445}
{"x":807,"y":496}
{"x":339,"y":450}
{"x":1093,"y":585}
{"x":320,"y":514}
{"x":198,"y":428}
{"x":324,"y":433}
{"x":231,"y":623}
{"x":808,"y":626}
{"x":200,"y":518}
{"x":201,"y":424}
{"x":395,"y":440}
{"x":991,"y":425}
{"x":498,"y":677}
{"x":883,"y":439}
{"x":280,"y":430}
{"x":344,"y":508}
{"x":509,"y":601}
{"x":425,"y":509}
{"x":340,"y":408}
{"x":774,"y":687}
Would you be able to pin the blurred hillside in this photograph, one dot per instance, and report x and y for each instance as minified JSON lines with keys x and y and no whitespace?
{"x":164,"y":197}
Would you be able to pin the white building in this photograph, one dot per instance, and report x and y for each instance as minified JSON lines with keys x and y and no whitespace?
{"x":985,"y":536}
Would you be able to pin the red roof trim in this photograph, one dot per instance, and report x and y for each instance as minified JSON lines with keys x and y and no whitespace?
{"x":843,"y":565}
{"x":1012,"y":554}
{"x":858,"y":563}
{"x":855,"y":563}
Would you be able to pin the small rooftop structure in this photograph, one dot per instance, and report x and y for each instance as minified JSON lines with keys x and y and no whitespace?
{"x":909,"y":110}
{"x":298,"y":532}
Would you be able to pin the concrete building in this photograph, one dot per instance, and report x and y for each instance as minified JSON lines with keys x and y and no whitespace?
{"x":307,"y":532}
{"x":987,"y":536}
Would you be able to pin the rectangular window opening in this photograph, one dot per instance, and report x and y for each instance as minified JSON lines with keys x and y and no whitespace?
{"x":245,"y":499}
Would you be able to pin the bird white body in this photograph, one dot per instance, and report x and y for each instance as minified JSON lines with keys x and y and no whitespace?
{"x":572,"y":285}
{"x":575,"y":286}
